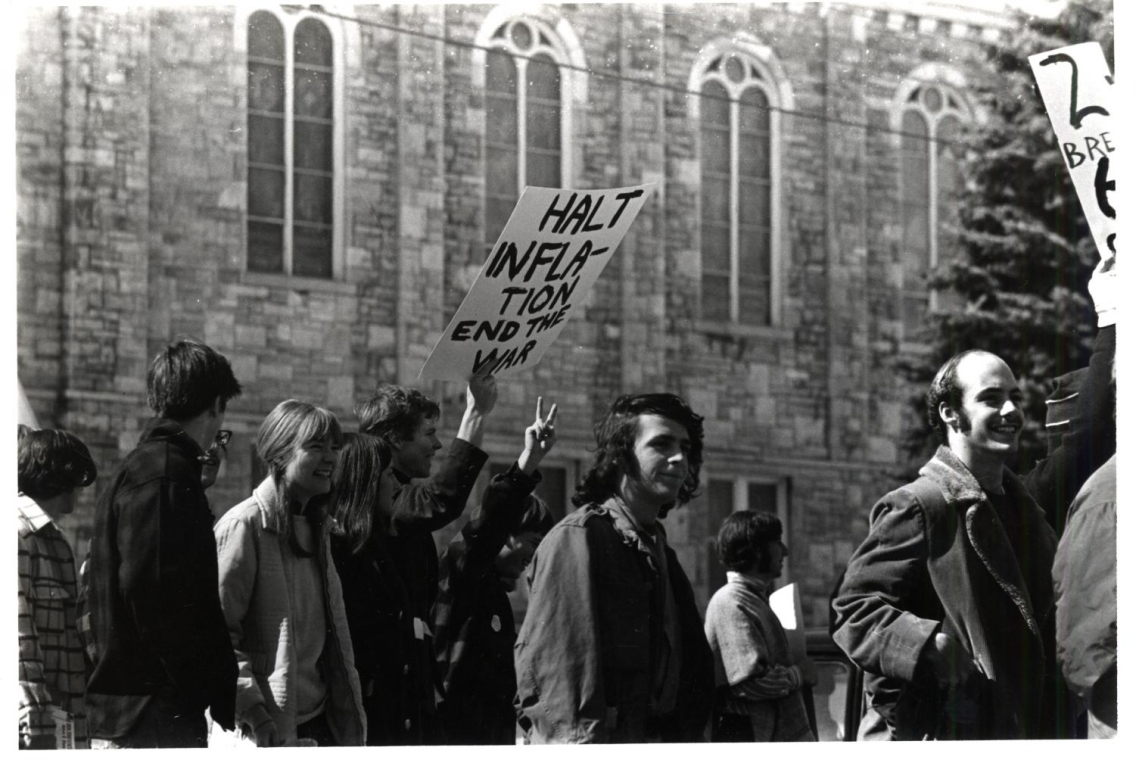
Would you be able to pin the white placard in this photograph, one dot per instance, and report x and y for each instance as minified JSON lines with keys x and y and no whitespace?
{"x":546,"y":260}
{"x":786,"y":605}
{"x":1077,"y":88}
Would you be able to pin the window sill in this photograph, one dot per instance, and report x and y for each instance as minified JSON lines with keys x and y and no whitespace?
{"x":737,"y":330}
{"x":302,"y":284}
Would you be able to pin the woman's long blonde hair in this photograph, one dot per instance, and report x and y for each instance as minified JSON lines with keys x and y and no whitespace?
{"x":289,"y":426}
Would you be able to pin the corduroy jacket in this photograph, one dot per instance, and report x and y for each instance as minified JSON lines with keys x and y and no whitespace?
{"x":938,"y":558}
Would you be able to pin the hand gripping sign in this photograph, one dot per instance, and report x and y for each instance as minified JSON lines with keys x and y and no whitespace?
{"x":1077,"y":88}
{"x":546,"y":260}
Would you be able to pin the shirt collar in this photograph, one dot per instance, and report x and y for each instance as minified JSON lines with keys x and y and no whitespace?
{"x":647,"y":540}
{"x":33,"y":513}
{"x":625,"y":521}
{"x":759,"y":587}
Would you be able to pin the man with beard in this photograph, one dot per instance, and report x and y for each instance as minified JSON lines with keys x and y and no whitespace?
{"x":612,"y":647}
{"x":945,"y":605}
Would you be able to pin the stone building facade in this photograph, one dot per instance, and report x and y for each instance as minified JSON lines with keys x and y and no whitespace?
{"x":138,"y":209}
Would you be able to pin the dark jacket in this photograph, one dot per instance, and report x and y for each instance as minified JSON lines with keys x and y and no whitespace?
{"x":588,"y":650}
{"x":1081,"y":428}
{"x":152,"y":587}
{"x":939,"y":557}
{"x":474,"y":630}
{"x":389,"y":589}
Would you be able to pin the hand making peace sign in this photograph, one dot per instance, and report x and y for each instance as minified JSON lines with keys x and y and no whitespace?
{"x":540,"y":437}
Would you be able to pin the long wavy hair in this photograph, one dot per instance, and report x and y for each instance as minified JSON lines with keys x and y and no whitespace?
{"x":615,"y":447}
{"x":287,"y":428}
{"x":355,"y":487}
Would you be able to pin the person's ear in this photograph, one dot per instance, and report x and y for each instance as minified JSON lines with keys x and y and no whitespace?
{"x":393,"y":442}
{"x":948,"y":415}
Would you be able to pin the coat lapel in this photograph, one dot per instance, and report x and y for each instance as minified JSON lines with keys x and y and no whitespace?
{"x":984,"y":531}
{"x":988,"y":537}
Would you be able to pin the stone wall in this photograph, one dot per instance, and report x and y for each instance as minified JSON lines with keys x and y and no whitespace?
{"x":131,"y":157}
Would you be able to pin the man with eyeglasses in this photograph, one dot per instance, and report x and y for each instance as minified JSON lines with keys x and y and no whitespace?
{"x":212,"y":459}
{"x":151,"y":617}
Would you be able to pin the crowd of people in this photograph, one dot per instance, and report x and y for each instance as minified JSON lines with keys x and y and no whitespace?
{"x":317,"y":612}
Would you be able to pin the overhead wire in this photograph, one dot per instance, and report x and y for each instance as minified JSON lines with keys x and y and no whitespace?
{"x":452,"y":41}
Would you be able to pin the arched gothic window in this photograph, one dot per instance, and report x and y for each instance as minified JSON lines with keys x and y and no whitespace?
{"x":737,"y":131}
{"x":291,"y":145}
{"x":932,"y":115}
{"x":524,"y":116}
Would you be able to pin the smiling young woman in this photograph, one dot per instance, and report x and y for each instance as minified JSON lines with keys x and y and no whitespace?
{"x":282,"y":597}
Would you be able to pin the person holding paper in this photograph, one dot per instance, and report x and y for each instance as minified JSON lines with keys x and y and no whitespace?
{"x":612,"y":647}
{"x":947,"y":604}
{"x":758,"y":696}
{"x":473,"y":619}
{"x":53,"y":466}
{"x":406,"y":422}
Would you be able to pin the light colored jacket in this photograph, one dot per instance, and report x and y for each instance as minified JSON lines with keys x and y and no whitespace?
{"x":753,"y":670}
{"x":256,"y":590}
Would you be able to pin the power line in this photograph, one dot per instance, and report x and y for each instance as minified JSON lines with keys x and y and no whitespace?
{"x":445,"y":40}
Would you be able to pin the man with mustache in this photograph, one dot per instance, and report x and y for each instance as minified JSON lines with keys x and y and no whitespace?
{"x":947,"y":603}
{"x":612,"y":647}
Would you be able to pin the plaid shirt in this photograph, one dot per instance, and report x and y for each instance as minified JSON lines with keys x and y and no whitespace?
{"x":52,"y":671}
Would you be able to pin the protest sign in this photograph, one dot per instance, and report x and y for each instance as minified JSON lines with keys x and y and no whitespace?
{"x":1077,"y":89}
{"x":546,"y":260}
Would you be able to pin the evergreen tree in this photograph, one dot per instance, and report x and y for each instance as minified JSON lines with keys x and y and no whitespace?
{"x":1025,"y":253}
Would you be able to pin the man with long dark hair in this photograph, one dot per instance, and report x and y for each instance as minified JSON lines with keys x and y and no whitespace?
{"x":612,"y":648}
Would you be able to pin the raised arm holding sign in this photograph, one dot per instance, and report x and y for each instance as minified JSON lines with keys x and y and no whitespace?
{"x":549,"y":255}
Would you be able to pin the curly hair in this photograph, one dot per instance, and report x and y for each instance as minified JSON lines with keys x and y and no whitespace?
{"x":615,"y":446}
{"x":742,"y":539}
{"x":395,"y":412}
{"x":946,"y":387}
{"x":53,"y":462}
{"x":186,"y":377}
